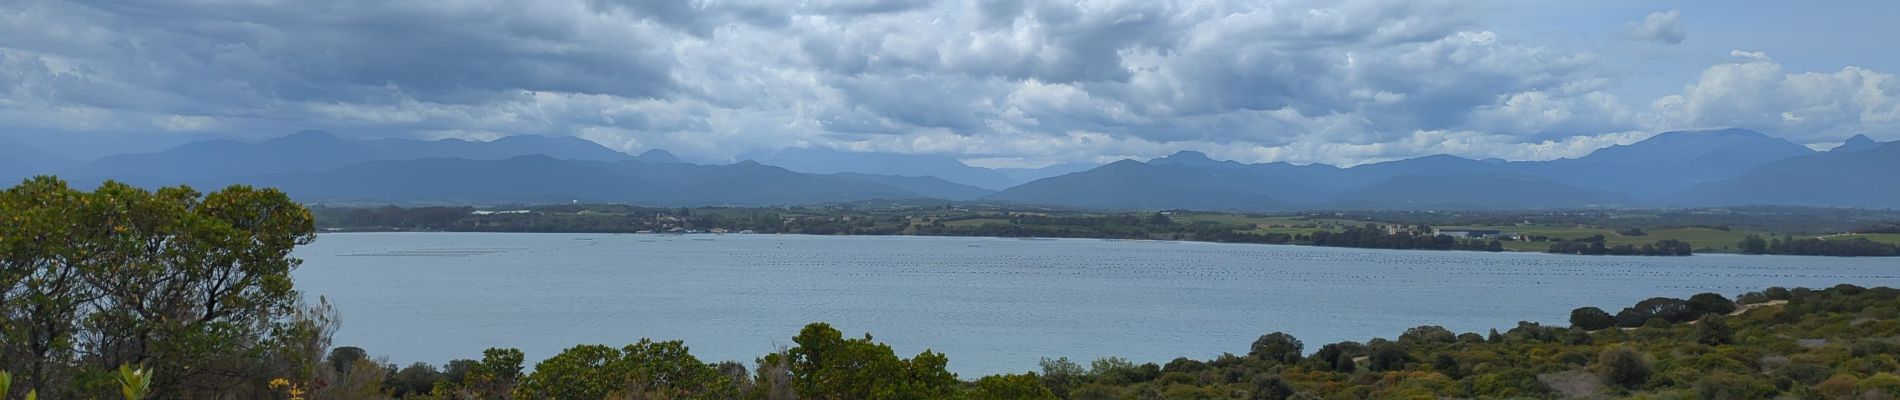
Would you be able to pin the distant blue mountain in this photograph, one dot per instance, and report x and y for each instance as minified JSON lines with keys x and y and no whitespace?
{"x":1635,"y":174}
{"x":827,"y":161}
{"x":1023,"y":175}
{"x":1668,"y":162}
{"x":1856,"y":143}
{"x":318,"y":151}
{"x":19,"y":161}
{"x":1723,"y":167}
{"x":558,"y":147}
{"x":657,"y":156}
{"x":925,"y":186}
{"x":1130,"y":184}
{"x":318,"y":166}
{"x":543,"y":179}
{"x":1862,"y":178}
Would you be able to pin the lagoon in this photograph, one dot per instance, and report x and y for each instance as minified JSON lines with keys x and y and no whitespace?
{"x":993,"y":305}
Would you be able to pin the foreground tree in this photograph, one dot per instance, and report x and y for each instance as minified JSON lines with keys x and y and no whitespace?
{"x":194,"y":286}
{"x":648,"y":369}
{"x":825,"y":365}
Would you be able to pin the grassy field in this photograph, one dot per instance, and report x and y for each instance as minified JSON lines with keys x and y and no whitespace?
{"x":1891,"y":238}
{"x":966,"y":223}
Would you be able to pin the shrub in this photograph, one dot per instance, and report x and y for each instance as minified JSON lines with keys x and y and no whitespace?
{"x":1623,"y":367}
{"x":1711,"y":303}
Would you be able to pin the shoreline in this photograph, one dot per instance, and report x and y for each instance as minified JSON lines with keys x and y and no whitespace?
{"x":1511,"y":251}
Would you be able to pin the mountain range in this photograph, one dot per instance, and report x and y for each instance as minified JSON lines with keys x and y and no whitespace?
{"x":1690,"y":168}
{"x":827,"y":161}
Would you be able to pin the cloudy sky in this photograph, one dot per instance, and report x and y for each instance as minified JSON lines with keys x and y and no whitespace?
{"x":998,"y":83}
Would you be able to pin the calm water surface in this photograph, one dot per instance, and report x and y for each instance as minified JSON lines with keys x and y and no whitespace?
{"x":993,"y":305}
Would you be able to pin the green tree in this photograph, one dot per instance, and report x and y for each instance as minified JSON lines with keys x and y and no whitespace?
{"x":42,"y":278}
{"x":495,"y":376}
{"x":1711,"y":303}
{"x":1388,"y":357}
{"x":826,"y":366}
{"x":342,"y":358}
{"x":1591,"y":319}
{"x":1753,"y":244}
{"x":668,"y":370}
{"x":1427,"y":334}
{"x":1011,"y":387}
{"x":1277,"y":347}
{"x":580,"y":372}
{"x":194,"y":286}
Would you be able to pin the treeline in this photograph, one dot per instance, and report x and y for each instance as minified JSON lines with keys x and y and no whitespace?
{"x":1159,"y":227}
{"x":630,"y":219}
{"x":1594,"y":246}
{"x":1788,"y":245}
{"x":1745,"y":218}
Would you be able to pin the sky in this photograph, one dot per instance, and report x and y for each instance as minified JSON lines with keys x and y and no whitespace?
{"x":1002,"y":83}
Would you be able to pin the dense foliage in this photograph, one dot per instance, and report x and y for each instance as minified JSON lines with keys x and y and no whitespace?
{"x":194,"y":286}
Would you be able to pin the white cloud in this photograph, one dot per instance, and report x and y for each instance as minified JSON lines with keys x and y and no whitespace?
{"x":1662,"y":27}
{"x":1756,"y":92}
{"x":1033,"y":81}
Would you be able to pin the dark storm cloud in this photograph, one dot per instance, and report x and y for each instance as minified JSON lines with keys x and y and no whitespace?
{"x":1030,"y":80}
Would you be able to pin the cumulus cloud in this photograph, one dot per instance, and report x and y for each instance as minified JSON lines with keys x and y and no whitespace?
{"x":1756,"y":92}
{"x":1662,"y":27}
{"x":1031,"y":81}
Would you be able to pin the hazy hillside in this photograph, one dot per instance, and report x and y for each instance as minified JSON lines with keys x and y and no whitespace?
{"x":826,"y":161}
{"x":1723,"y":167}
{"x":1864,"y":179}
{"x":657,"y":156}
{"x":527,"y":179}
{"x":1668,"y":162}
{"x":749,"y":183}
{"x":1856,"y":143}
{"x":926,"y":186}
{"x":1132,"y":184}
{"x":18,"y":161}
{"x":563,"y":148}
{"x":1475,"y":191}
{"x":543,"y":179}
{"x":1628,"y":175}
{"x":319,"y":151}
